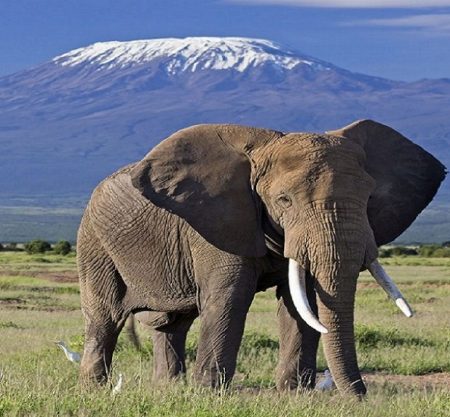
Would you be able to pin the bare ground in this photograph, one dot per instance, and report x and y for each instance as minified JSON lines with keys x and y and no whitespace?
{"x":60,"y":276}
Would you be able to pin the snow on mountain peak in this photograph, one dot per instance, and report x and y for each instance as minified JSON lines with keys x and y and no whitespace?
{"x":188,"y":54}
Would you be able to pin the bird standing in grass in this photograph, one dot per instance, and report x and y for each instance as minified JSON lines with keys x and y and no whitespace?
{"x":118,"y":386}
{"x":75,"y":357}
{"x":70,"y":355}
{"x":327,"y":383}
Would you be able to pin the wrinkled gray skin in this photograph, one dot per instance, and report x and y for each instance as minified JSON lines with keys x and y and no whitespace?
{"x":210,"y":216}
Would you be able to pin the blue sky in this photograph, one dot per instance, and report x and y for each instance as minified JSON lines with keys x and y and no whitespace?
{"x":398,"y":39}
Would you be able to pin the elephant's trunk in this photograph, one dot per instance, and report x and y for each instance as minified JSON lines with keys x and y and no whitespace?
{"x":336,"y":314}
{"x":334,"y":251}
{"x":336,"y":286}
{"x":336,"y":311}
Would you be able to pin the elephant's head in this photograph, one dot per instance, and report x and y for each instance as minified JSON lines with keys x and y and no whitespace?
{"x":334,"y":198}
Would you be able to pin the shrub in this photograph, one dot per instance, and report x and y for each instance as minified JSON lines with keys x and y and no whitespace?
{"x":427,"y":250}
{"x":37,"y":246}
{"x":443,"y":252}
{"x":402,"y":250}
{"x":63,"y":247}
{"x":397,"y":251}
{"x":384,"y":253}
{"x":1,"y":247}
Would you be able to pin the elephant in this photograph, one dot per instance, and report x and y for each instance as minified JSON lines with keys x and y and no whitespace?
{"x":217,"y":212}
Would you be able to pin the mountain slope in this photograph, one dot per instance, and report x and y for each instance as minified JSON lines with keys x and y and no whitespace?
{"x":69,"y":122}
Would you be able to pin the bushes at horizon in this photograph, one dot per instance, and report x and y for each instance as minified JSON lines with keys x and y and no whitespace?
{"x":425,"y":251}
{"x":63,"y":247}
{"x":10,"y":247}
{"x":397,"y":251}
{"x":434,"y":251}
{"x":37,"y":246}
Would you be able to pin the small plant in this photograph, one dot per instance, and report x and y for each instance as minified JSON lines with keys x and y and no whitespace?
{"x":63,"y":247}
{"x":37,"y":246}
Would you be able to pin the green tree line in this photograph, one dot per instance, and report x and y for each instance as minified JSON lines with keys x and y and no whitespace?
{"x":64,"y":247}
{"x":426,"y":251}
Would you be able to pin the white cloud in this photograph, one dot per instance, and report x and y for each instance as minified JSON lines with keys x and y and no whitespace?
{"x":357,"y":4}
{"x":432,"y":22}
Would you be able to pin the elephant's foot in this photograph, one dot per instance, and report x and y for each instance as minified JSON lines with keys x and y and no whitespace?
{"x":216,"y":378}
{"x":94,"y":366}
{"x":98,"y":351}
{"x":292,"y":378}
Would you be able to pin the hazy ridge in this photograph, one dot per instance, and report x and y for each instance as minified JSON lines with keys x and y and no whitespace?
{"x":69,"y":122}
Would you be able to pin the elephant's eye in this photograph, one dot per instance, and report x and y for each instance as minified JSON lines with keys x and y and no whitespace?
{"x":284,"y":201}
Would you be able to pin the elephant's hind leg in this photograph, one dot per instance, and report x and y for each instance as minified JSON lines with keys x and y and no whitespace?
{"x":102,"y":291}
{"x":169,"y":344}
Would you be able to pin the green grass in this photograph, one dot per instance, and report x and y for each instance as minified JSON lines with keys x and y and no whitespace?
{"x":37,"y":309}
{"x":47,"y":262}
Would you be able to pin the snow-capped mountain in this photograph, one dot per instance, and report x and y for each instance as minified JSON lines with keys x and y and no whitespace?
{"x":188,"y":54}
{"x":67,"y":123}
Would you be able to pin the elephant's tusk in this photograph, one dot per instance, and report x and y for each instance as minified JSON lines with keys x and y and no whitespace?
{"x":389,"y":286}
{"x":297,"y":288}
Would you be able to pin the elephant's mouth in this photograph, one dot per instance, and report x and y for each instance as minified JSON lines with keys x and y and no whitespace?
{"x":297,"y":287}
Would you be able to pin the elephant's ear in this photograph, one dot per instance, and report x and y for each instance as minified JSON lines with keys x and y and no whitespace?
{"x":407,"y":177}
{"x":201,"y":178}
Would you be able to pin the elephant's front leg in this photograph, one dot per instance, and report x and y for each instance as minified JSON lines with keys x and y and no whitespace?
{"x":224,"y":303}
{"x":298,"y":343}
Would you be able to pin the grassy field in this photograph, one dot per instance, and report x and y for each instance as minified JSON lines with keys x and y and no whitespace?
{"x":405,"y":362}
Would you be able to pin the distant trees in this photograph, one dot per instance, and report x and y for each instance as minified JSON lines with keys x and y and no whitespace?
{"x":397,"y":251}
{"x":426,"y":251}
{"x":63,"y":247}
{"x":11,"y":246}
{"x":434,"y":251}
{"x":37,"y":246}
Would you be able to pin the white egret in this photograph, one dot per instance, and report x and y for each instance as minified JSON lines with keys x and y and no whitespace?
{"x":118,"y":386}
{"x":327,"y":383}
{"x":70,"y":355}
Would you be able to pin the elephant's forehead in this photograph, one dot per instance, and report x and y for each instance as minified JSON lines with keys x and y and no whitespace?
{"x":318,"y":167}
{"x":317,"y":152}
